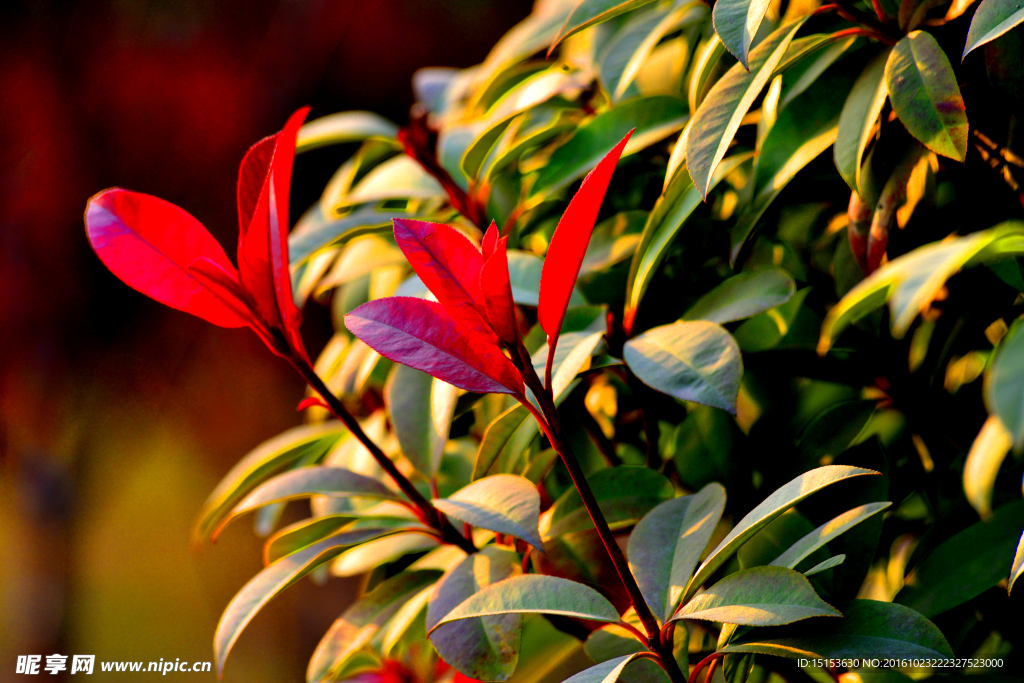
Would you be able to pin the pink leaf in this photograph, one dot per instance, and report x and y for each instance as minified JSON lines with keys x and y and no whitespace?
{"x":449,"y":265}
{"x":263,"y":245}
{"x":497,"y":291}
{"x":569,"y":244}
{"x":149,"y":244}
{"x":422,"y":335}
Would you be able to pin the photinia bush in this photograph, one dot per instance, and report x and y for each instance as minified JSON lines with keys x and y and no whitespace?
{"x":582,"y":295}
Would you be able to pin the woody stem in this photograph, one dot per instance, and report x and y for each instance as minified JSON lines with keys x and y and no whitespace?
{"x":428,"y":512}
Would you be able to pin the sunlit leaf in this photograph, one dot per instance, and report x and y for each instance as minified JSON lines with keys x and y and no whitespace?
{"x":381,"y":551}
{"x":759,"y":596}
{"x":743,"y":296}
{"x":983,"y":461}
{"x":536,"y":593}
{"x":860,"y":112}
{"x":346,"y":126}
{"x":818,"y":538}
{"x":1004,"y":387}
{"x":587,"y":13}
{"x":503,"y":503}
{"x":992,"y":19}
{"x":605,"y":672}
{"x":736,"y":23}
{"x":1018,"y":565}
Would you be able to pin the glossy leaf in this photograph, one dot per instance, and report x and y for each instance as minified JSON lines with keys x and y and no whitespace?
{"x":965,"y":565}
{"x":1018,"y":565}
{"x":421,"y":409}
{"x":380,"y":551}
{"x":869,"y":629}
{"x":693,"y":361}
{"x":486,"y":648}
{"x":306,"y":482}
{"x":983,"y":462}
{"x":759,"y":596}
{"x":652,"y":119}
{"x":271,"y":581}
{"x":503,"y":503}
{"x":911,"y":282}
{"x":623,"y":494}
{"x":449,"y":265}
{"x":422,"y":335}
{"x":346,"y":126}
{"x":569,"y":244}
{"x":397,"y":178}
{"x":306,"y":443}
{"x":666,"y":545}
{"x":496,"y":436}
{"x":825,"y":564}
{"x":1004,"y":385}
{"x":736,"y":23}
{"x":818,"y":538}
{"x":361,"y":622}
{"x":536,"y":593}
{"x":925,"y":95}
{"x":315,"y":231}
{"x":303,"y":533}
{"x":743,"y":296}
{"x":992,"y":19}
{"x":588,"y":13}
{"x":574,"y":351}
{"x":149,"y":245}
{"x":860,"y":111}
{"x":496,"y":288}
{"x":771,"y":507}
{"x":715,"y":124}
{"x":605,"y":672}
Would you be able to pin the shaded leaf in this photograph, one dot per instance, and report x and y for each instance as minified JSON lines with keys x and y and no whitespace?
{"x":743,"y":296}
{"x":538,"y":594}
{"x":911,"y":282}
{"x":271,"y":581}
{"x":992,"y":19}
{"x":358,"y":625}
{"x":666,"y":545}
{"x":422,"y":335}
{"x":496,"y":436}
{"x":869,"y":629}
{"x":524,"y":271}
{"x":605,"y":672}
{"x":346,"y":126}
{"x":860,"y":111}
{"x":588,"y":13}
{"x":736,"y":23}
{"x":623,"y":494}
{"x":925,"y":95}
{"x":983,"y":461}
{"x":693,"y":361}
{"x":818,"y":538}
{"x":964,"y":566}
{"x":574,"y":351}
{"x":421,"y":409}
{"x":306,"y":532}
{"x":716,"y":122}
{"x":825,"y":564}
{"x":1004,"y":385}
{"x":486,"y":648}
{"x":771,"y":507}
{"x":759,"y":596}
{"x":503,"y":503}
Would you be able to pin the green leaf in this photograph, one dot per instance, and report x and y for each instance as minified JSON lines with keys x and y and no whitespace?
{"x":611,"y":641}
{"x":303,"y":533}
{"x":705,"y":65}
{"x":314,"y":231}
{"x":486,"y":648}
{"x":591,"y":12}
{"x":666,"y":545}
{"x":715,"y":124}
{"x":802,"y":131}
{"x":911,"y":282}
{"x":496,"y":437}
{"x":693,"y":361}
{"x":1004,"y":384}
{"x":624,"y":495}
{"x":573,"y":351}
{"x":536,"y":593}
{"x":825,"y":564}
{"x":736,"y":23}
{"x":347,"y":126}
{"x":358,"y":625}
{"x":992,"y":19}
{"x":381,"y":551}
{"x":664,"y":222}
{"x":860,"y":111}
{"x":759,"y":596}
{"x":654,"y":118}
{"x":774,"y":505}
{"x":818,"y":538}
{"x":421,"y":409}
{"x":925,"y":95}
{"x":308,"y":443}
{"x":398,"y":178}
{"x":743,"y":296}
{"x":524,"y":271}
{"x":304,"y":483}
{"x":605,"y":672}
{"x":983,"y":462}
{"x":1018,"y":565}
{"x":271,"y":581}
{"x":965,"y":565}
{"x":503,"y":502}
{"x":832,"y":431}
{"x":870,"y":629}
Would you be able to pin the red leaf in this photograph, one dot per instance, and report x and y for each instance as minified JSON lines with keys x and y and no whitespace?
{"x":422,"y":335}
{"x":263,"y":245}
{"x":150,"y":245}
{"x":497,"y":291}
{"x":490,"y":239}
{"x":569,"y":244}
{"x":449,"y":265}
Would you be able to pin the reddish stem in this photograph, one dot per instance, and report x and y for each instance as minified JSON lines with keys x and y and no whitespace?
{"x":714,"y":656}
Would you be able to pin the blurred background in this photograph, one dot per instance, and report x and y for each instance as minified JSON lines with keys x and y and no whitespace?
{"x":117,"y":415}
